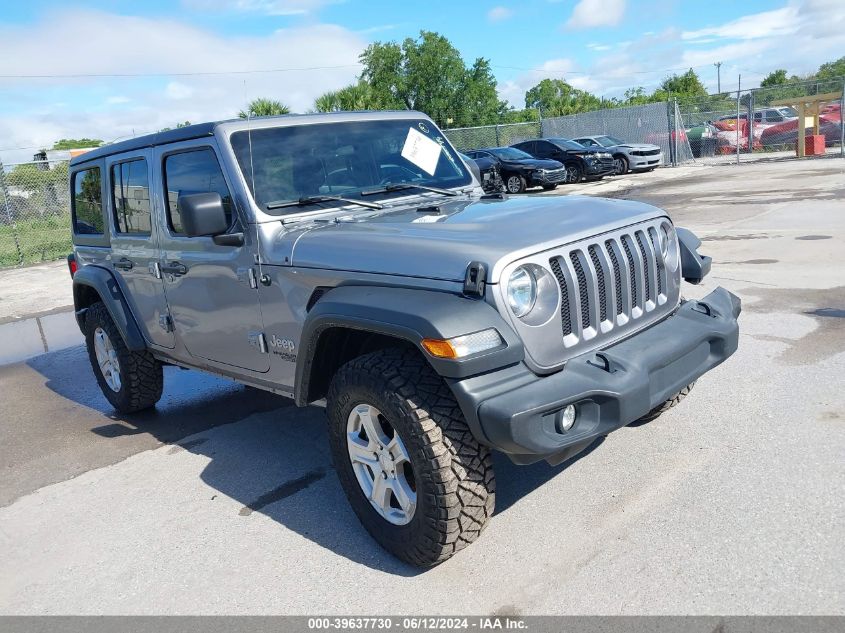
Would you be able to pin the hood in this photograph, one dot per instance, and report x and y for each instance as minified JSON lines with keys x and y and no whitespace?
{"x":533,"y":163}
{"x":413,"y":242}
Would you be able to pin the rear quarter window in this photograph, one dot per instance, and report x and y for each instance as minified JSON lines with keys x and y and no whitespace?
{"x":87,"y":202}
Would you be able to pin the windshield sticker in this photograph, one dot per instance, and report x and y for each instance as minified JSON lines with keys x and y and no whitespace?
{"x":422,"y":151}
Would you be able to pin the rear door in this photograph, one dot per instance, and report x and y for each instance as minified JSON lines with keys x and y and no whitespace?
{"x":211,"y":289}
{"x":134,"y":242}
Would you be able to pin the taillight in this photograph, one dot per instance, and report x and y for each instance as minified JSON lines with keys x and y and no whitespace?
{"x":72,"y":265}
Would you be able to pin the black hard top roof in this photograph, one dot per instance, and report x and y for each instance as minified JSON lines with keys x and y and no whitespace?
{"x":148,"y":140}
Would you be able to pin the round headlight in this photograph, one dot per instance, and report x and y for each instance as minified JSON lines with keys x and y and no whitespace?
{"x":522,"y":291}
{"x":668,"y":239}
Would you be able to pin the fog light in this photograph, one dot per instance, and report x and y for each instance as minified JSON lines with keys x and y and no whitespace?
{"x":567,"y":418}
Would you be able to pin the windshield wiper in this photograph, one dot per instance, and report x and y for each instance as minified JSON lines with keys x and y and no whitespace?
{"x":399,"y":186}
{"x":301,"y":202}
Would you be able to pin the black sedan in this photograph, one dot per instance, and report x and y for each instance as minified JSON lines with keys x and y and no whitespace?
{"x":581,"y":162}
{"x":520,"y":170}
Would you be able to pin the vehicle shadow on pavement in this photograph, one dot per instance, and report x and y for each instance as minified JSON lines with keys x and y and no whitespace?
{"x":269,"y":456}
{"x":513,"y":482}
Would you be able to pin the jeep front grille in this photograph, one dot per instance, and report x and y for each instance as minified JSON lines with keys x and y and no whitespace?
{"x":607,"y":283}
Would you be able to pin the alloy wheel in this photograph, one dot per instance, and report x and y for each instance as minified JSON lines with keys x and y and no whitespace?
{"x":514,"y":184}
{"x":381,"y":464}
{"x":107,"y":359}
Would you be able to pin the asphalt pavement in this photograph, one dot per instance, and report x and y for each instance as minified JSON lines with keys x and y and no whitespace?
{"x":223,"y":499}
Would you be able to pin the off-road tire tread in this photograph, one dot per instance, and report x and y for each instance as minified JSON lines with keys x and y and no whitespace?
{"x":455,"y":464}
{"x":657,"y":411}
{"x":141,"y":376}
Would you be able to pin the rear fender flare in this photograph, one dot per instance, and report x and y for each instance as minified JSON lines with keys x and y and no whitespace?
{"x":102,"y":281}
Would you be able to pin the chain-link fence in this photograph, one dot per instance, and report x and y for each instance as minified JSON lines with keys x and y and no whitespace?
{"x":719,"y":126}
{"x":652,"y":123}
{"x":467,"y":138}
{"x":34,"y":212}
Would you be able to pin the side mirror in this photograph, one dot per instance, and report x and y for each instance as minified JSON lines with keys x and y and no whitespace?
{"x":203,"y":214}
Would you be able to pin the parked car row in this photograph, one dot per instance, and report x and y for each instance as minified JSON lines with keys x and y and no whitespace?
{"x":548,"y":162}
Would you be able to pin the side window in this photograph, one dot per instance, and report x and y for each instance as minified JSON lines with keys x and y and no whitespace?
{"x":774,"y":116}
{"x":194,"y":171}
{"x":758,"y":117}
{"x":131,"y":197}
{"x":88,"y":202}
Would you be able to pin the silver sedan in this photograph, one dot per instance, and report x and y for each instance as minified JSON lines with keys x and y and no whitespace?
{"x":626,"y":156}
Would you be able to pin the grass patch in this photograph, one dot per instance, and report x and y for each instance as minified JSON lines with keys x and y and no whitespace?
{"x":40,"y":239}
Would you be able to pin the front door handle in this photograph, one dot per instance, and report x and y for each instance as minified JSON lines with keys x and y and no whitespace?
{"x":177,"y":269}
{"x":123,"y":264}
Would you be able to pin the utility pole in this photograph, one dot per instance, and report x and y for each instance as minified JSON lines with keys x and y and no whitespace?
{"x":718,"y":66}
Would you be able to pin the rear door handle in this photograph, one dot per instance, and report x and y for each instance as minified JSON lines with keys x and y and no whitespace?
{"x":123,"y":264}
{"x":177,"y":269}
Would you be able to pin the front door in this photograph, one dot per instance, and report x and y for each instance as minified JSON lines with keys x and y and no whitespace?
{"x":134,"y":243}
{"x":211,"y":289}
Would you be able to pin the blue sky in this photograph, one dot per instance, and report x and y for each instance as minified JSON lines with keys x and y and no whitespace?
{"x":601,"y":45}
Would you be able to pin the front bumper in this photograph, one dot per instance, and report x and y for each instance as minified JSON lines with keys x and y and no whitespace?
{"x":598,"y":168}
{"x":517,"y":412}
{"x":549,"y":177}
{"x":645,"y":162}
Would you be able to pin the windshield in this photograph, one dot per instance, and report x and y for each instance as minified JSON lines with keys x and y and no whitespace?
{"x":509,"y":153}
{"x":344,"y":159}
{"x":566,"y":143}
{"x":609,"y":141}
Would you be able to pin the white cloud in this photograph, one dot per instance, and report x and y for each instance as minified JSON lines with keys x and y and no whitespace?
{"x":118,"y":99}
{"x":766,"y":24}
{"x":593,"y":46}
{"x":176,"y":90}
{"x":593,"y":13}
{"x":93,"y":42}
{"x":268,"y":7}
{"x":497,"y":14}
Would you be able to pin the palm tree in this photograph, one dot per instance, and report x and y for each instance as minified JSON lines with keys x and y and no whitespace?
{"x":264,"y":107}
{"x":358,"y":96}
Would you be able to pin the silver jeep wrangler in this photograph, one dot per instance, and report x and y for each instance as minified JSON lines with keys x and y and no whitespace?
{"x":352,"y":260}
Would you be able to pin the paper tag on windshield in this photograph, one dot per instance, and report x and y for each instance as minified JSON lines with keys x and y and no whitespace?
{"x":422,"y":151}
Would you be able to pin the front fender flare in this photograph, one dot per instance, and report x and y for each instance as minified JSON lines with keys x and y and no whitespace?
{"x":103,"y":282}
{"x":409,"y":315}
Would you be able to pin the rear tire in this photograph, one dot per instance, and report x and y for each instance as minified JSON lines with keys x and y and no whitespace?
{"x":130,"y":381}
{"x":657,"y":411}
{"x":449,"y":473}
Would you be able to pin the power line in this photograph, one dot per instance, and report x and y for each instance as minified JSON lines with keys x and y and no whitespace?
{"x":173,"y":74}
{"x":586,"y":72}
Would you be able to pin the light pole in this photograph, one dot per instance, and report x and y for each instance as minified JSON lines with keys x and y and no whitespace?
{"x":718,"y":66}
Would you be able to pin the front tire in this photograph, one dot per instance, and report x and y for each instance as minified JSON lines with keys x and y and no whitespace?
{"x":620,"y":165}
{"x":130,"y":381}
{"x":549,"y":187}
{"x":445,"y":494}
{"x":574,"y":173}
{"x":515,"y":184}
{"x":660,"y":409}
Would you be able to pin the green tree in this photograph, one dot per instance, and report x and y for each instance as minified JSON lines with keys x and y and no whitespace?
{"x":428,"y":74}
{"x":832,"y":70}
{"x":774,"y":78}
{"x":358,"y":96}
{"x":264,"y":107}
{"x":555,"y":97}
{"x":77,"y":143}
{"x":178,"y":125}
